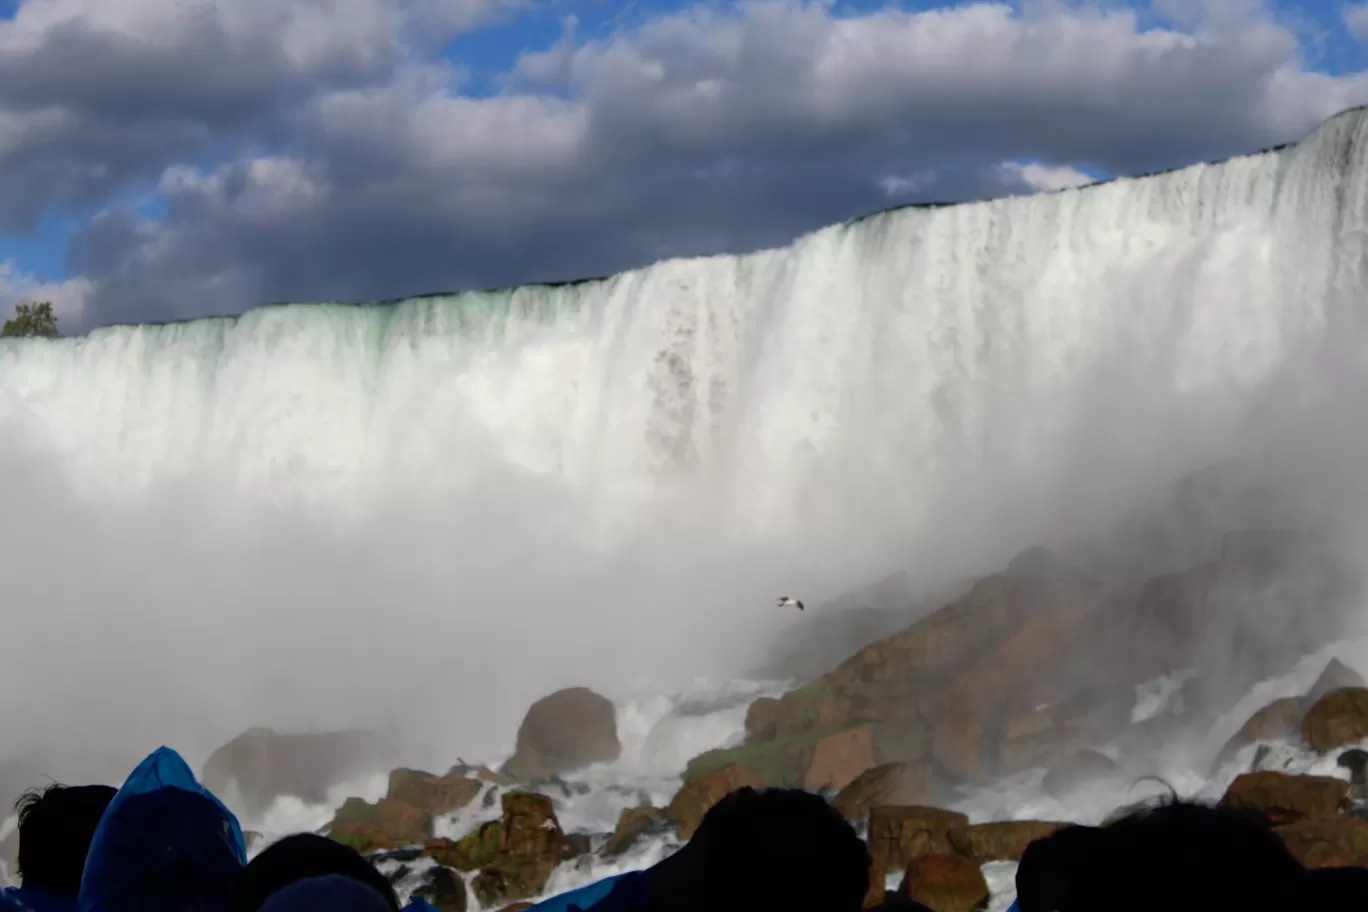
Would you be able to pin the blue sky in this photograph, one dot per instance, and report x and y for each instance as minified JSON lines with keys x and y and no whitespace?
{"x":160,"y":168}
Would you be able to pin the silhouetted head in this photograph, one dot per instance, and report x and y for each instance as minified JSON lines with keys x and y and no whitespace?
{"x":1336,"y":888}
{"x":776,"y":849}
{"x":333,"y":893}
{"x":56,"y":825}
{"x":1051,"y":869}
{"x":1177,"y":857}
{"x":301,"y":857}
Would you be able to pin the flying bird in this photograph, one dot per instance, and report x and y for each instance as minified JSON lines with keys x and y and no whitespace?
{"x":786,"y":602}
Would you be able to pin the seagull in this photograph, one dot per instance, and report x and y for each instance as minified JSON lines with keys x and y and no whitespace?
{"x":786,"y":602}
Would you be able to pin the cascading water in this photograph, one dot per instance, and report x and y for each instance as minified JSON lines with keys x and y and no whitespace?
{"x":319,"y":514}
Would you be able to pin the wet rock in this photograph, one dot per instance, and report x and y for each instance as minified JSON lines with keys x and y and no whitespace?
{"x":388,"y":824}
{"x":443,"y":889}
{"x":762,"y":717}
{"x":576,"y":845}
{"x":515,"y":855}
{"x":261,"y":765}
{"x":834,"y":761}
{"x":1079,"y":770}
{"x":633,"y":823}
{"x":1005,"y":841}
{"x":897,"y":835}
{"x":1278,"y":721}
{"x":1338,"y":842}
{"x":1338,"y":719}
{"x":563,"y":732}
{"x":436,"y":795}
{"x":1284,"y":799}
{"x":697,"y":796}
{"x":889,"y":784}
{"x":964,"y":739}
{"x":946,"y":883}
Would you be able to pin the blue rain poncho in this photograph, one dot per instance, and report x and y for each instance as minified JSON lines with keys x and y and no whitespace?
{"x":622,"y":893}
{"x":165,"y":844}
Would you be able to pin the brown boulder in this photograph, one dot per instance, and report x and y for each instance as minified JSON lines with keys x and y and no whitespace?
{"x":892,"y":784}
{"x":946,"y":883}
{"x":1004,"y":841}
{"x":633,"y":823}
{"x":897,"y":835}
{"x":436,"y":795}
{"x":762,"y":717}
{"x":1338,"y":719}
{"x":837,"y":760}
{"x":689,"y":805}
{"x":261,"y":765}
{"x":1277,"y":721}
{"x":1285,"y":799}
{"x":514,"y":855}
{"x":1338,"y":842}
{"x":964,"y":742}
{"x":388,"y":824}
{"x":563,"y":732}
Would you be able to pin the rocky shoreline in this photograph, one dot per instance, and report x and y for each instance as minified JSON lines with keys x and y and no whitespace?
{"x":1034,"y":668}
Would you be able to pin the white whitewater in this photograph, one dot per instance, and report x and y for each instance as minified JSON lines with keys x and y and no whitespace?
{"x":363,"y":508}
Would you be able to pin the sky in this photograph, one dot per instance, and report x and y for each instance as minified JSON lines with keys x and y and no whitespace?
{"x":168,"y":159}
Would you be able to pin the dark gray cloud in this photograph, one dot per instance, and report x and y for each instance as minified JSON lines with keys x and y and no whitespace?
{"x":351,"y":165}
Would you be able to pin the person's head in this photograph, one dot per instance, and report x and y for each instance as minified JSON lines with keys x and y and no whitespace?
{"x":333,"y":893}
{"x":56,"y":825}
{"x":775,"y":849}
{"x":1179,"y":856}
{"x":301,"y":857}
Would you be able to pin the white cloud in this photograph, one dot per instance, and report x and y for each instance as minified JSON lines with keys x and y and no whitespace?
{"x":1355,"y":17}
{"x":895,"y":185}
{"x":1037,"y":177}
{"x":358,"y":164}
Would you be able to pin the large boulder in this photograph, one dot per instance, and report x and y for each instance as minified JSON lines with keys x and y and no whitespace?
{"x":1338,"y":719}
{"x":905,"y":784}
{"x":897,"y":835}
{"x":633,"y":823}
{"x":260,"y":765}
{"x":1338,"y":842}
{"x":1278,"y":721}
{"x":513,"y":857}
{"x":1284,"y":799}
{"x":697,"y":796}
{"x":387,"y":824}
{"x":563,"y":732}
{"x":825,"y":757}
{"x":1004,"y":841}
{"x":435,"y":795}
{"x":941,"y":687}
{"x":946,"y":883}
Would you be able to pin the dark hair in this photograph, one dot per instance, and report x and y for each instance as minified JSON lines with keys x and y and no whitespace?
{"x":56,"y":825}
{"x":780,"y":849}
{"x":301,"y":857}
{"x":1178,"y":856}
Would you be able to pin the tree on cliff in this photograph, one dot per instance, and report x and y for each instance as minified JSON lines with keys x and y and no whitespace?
{"x":31,"y":320}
